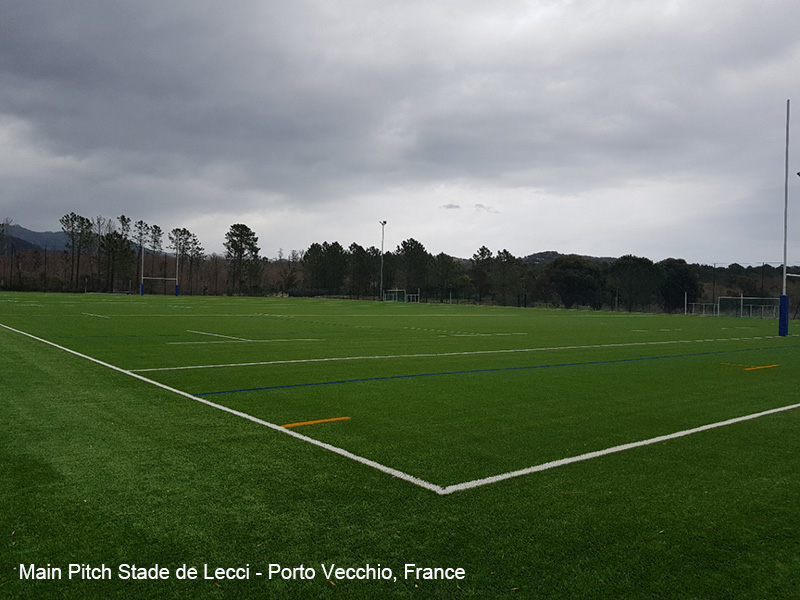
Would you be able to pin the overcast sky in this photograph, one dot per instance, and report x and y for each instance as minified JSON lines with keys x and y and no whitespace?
{"x":602,"y":127}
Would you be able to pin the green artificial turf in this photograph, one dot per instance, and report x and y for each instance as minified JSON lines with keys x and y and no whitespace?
{"x":99,"y":467}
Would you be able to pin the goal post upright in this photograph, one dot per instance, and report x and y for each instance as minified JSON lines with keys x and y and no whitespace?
{"x":177,"y":255}
{"x":141,"y":282}
{"x":783,"y":319}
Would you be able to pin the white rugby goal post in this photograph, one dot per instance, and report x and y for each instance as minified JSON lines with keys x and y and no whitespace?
{"x":175,"y":279}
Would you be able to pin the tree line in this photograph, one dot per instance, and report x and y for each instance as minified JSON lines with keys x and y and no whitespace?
{"x":631,"y":283}
{"x":113,"y":255}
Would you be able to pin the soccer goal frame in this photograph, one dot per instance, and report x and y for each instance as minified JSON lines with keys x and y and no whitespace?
{"x":703,"y":309}
{"x":394,"y":296}
{"x":745,"y":306}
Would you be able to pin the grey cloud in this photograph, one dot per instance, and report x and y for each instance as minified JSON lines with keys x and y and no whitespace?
{"x":186,"y":105}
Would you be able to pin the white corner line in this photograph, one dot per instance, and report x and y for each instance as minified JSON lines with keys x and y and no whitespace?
{"x":336,"y":450}
{"x":621,"y":448}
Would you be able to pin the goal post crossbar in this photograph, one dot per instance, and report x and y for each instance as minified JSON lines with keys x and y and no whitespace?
{"x":175,"y":279}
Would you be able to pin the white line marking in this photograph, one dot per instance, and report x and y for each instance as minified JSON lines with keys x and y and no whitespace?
{"x":442,"y":354}
{"x":590,"y":455}
{"x":336,"y":450}
{"x":238,"y":341}
{"x":98,"y":316}
{"x":481,"y":334}
{"x":442,"y":491}
{"x":230,"y":337}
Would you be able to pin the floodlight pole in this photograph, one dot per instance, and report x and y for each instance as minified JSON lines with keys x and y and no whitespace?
{"x":383,"y":228}
{"x":783,"y":316}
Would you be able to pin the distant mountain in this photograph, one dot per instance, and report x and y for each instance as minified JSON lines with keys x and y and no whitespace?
{"x":52,"y":240}
{"x":543,"y":258}
{"x":11,"y":244}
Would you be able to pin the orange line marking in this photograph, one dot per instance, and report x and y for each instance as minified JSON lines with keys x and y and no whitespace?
{"x":315,"y":422}
{"x":764,"y":367}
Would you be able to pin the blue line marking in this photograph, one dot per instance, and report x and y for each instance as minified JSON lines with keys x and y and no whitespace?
{"x":494,"y":370}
